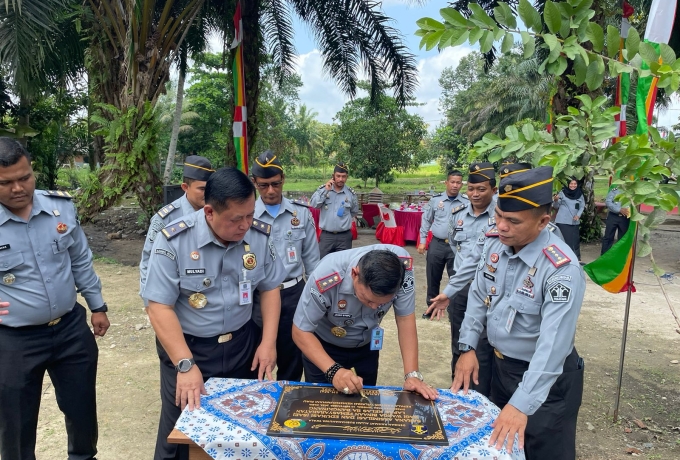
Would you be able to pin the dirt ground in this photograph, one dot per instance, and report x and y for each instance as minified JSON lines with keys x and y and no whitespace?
{"x":128,"y":395}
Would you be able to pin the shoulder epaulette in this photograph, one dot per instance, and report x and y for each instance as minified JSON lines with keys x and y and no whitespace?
{"x":551,"y":227}
{"x":59,"y":194}
{"x":407,"y":261}
{"x":300,"y":203}
{"x":493,"y":231}
{"x":458,"y":208}
{"x":261,"y":227}
{"x":437,"y":194}
{"x":555,"y":256}
{"x":328,"y":282}
{"x":351,"y":189}
{"x":175,"y":229}
{"x":165,"y":211}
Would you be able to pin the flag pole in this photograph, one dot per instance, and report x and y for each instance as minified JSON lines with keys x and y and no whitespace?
{"x":625,"y":326}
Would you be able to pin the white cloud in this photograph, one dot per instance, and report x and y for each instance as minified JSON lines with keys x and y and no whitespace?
{"x":321,"y":93}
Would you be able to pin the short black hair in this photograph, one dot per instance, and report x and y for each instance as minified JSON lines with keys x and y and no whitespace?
{"x":227,"y":184}
{"x":454,"y":172}
{"x":382,"y":271}
{"x":542,"y":210}
{"x":11,"y":152}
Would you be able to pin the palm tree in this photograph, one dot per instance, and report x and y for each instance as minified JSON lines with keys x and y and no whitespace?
{"x":305,"y":132}
{"x":352,"y":35}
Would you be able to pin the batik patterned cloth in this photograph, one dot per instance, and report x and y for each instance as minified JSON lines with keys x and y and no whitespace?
{"x":233,"y":420}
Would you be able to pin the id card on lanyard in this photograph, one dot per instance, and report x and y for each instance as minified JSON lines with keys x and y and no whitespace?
{"x":377,"y":335}
{"x":245,"y":290}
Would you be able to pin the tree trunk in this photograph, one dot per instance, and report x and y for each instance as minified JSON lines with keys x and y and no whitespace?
{"x":252,"y":41}
{"x":170,"y":161}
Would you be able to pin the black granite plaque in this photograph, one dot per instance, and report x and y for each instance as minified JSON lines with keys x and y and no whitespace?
{"x":384,"y":415}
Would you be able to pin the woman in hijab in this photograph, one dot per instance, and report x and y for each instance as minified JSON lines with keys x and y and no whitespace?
{"x":569,"y":204}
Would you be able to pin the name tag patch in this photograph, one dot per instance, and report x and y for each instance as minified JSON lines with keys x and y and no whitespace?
{"x":195,"y":271}
{"x":560,"y":293}
{"x":342,"y":315}
{"x":165,"y":253}
{"x":489,"y":277}
{"x":4,"y":246}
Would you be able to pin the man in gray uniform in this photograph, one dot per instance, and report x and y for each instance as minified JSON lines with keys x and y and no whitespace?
{"x":197,"y":170}
{"x":44,"y":262}
{"x":202,"y":274}
{"x":467,"y":229}
{"x":337,"y":323}
{"x":436,"y":218}
{"x":618,"y":219}
{"x":529,"y":299}
{"x":294,"y":236}
{"x":339,"y":206}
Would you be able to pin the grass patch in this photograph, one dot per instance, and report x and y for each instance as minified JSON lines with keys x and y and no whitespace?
{"x":106,"y":260}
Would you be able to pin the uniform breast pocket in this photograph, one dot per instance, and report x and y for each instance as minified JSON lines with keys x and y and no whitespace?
{"x":528,"y":317}
{"x":62,"y":244}
{"x":196,"y":283}
{"x":12,"y":269}
{"x":459,"y":237}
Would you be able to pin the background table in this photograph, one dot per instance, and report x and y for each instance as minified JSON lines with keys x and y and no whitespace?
{"x":233,"y":420}
{"x":410,"y":220}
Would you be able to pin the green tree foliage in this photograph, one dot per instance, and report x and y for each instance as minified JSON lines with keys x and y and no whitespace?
{"x":448,"y":147}
{"x":575,"y":48}
{"x":379,"y":138}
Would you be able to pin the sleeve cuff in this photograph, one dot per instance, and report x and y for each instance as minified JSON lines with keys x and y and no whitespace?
{"x":524,"y":402}
{"x":165,"y":299}
{"x":450,"y":291}
{"x":94,"y":301}
{"x":469,"y":338}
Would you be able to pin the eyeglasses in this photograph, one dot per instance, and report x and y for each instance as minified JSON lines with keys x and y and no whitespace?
{"x":273,"y":185}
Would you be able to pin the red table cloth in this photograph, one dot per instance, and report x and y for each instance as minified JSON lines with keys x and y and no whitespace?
{"x":410,"y":220}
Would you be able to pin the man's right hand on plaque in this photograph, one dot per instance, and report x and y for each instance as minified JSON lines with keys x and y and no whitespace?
{"x":466,"y":366}
{"x":346,"y":382}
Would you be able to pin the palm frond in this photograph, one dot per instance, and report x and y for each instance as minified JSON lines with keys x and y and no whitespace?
{"x":278,"y":32}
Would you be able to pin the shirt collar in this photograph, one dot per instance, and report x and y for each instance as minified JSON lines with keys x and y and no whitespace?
{"x":529,"y":254}
{"x":260,"y":207}
{"x":38,"y":207}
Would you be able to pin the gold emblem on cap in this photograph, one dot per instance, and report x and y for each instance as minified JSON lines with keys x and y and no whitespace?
{"x":249,"y":261}
{"x":506,"y":170}
{"x":476,"y":167}
{"x":508,"y":188}
{"x":338,"y":331}
{"x":198,"y":300}
{"x":9,"y":278}
{"x":195,"y":255}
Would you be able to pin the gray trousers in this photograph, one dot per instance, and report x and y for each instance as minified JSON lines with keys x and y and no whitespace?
{"x":333,"y":242}
{"x":572,"y":237}
{"x":439,"y":255}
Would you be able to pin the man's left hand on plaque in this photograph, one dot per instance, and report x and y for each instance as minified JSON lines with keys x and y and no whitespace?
{"x":345,"y":381}
{"x":422,"y":388}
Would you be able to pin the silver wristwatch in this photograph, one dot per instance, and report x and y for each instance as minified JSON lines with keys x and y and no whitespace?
{"x":464,"y":348}
{"x":415,"y":374}
{"x":185,"y":365}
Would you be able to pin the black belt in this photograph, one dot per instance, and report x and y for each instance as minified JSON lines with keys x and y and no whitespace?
{"x":443,"y":240}
{"x":54,"y":322}
{"x":500,"y":355}
{"x":336,"y":233}
{"x":222,"y":338}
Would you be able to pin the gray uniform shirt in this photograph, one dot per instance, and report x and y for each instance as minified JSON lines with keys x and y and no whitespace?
{"x":613,"y":206}
{"x":464,"y":234}
{"x":191,"y":260}
{"x":529,"y":302}
{"x":43,"y":261}
{"x":567,"y":209}
{"x":330,"y":202}
{"x":178,"y":208}
{"x":328,"y":299}
{"x":293,"y":227}
{"x":436,"y":215}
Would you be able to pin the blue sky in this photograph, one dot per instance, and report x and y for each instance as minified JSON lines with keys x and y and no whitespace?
{"x":320,"y":92}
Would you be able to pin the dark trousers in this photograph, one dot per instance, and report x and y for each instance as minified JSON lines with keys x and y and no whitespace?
{"x":615,"y":223}
{"x":288,"y":355}
{"x":333,"y":242}
{"x":230,"y":359}
{"x":572,"y":237}
{"x":68,"y":352}
{"x":439,"y":255}
{"x":551,"y":430}
{"x":484,"y":351}
{"x":362,"y":359}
